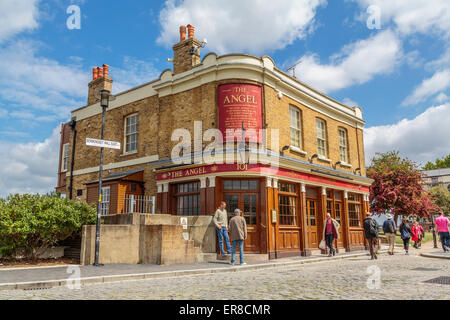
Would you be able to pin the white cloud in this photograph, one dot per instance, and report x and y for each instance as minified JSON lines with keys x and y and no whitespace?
{"x":29,"y":167}
{"x":17,"y":16}
{"x":438,"y":82}
{"x":253,"y":25}
{"x":349,"y":102}
{"x":32,"y":82}
{"x":411,"y":16}
{"x":356,"y":63}
{"x":442,"y":97}
{"x":421,"y":139}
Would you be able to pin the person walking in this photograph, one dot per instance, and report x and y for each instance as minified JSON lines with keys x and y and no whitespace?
{"x":220,"y":220}
{"x":390,"y":230}
{"x":330,"y":232}
{"x":442,"y":224}
{"x":238,"y":233}
{"x":417,"y":234}
{"x":371,"y":234}
{"x":405,"y":234}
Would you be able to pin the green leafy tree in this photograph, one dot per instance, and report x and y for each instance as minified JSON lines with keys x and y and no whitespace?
{"x":397,"y":187}
{"x":441,"y":198}
{"x":30,"y":224}
{"x":439,"y":164}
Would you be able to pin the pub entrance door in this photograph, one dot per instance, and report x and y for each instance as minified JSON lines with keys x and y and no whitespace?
{"x":248,"y":203}
{"x":311,"y":223}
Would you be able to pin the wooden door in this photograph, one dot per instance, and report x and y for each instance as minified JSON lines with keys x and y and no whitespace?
{"x":248,"y":203}
{"x":311,"y":223}
{"x":337,"y":215}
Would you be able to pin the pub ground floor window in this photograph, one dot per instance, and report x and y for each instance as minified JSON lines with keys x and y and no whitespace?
{"x":354,"y":210}
{"x":287,"y":203}
{"x":187,"y":198}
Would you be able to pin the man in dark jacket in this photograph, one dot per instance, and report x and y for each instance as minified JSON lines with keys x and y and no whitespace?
{"x":371,"y":234}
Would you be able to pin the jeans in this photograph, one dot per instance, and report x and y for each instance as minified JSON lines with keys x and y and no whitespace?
{"x":241,"y":251}
{"x":445,"y":239}
{"x":329,"y":240}
{"x":406,"y":244}
{"x":223,"y":233}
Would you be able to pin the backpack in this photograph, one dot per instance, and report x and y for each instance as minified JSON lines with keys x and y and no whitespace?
{"x":373,"y":228}
{"x":405,"y":234}
{"x":391,"y":227}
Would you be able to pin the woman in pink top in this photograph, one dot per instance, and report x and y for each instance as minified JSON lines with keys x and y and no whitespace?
{"x":441,"y":223}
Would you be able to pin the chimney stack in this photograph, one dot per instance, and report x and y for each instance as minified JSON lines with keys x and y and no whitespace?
{"x":182,"y":33}
{"x":100,"y":81}
{"x":187,"y":51}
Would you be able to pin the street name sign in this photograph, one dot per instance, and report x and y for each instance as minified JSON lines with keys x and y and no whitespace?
{"x":102,"y":143}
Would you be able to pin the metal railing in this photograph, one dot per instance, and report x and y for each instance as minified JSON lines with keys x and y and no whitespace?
{"x":138,"y":204}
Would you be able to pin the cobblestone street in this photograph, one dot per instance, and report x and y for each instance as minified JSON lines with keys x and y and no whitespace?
{"x":341,"y":279}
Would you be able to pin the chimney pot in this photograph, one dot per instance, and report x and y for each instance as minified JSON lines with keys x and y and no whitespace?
{"x":105,"y":70}
{"x":99,"y":72}
{"x":190,"y":31}
{"x":94,"y":73}
{"x":182,"y":33}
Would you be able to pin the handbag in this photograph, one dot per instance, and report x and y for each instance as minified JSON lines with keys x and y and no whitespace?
{"x":322,"y":245}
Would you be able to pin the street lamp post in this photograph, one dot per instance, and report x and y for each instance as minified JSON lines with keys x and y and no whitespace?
{"x":104,"y":102}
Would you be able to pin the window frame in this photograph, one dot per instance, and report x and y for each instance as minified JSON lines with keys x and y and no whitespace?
{"x":177,"y":195}
{"x":298,"y":129}
{"x":65,"y":157}
{"x":126,"y":135}
{"x":324,"y":139}
{"x":356,"y":203}
{"x":105,"y":211}
{"x":345,"y":147}
{"x":292,"y":219}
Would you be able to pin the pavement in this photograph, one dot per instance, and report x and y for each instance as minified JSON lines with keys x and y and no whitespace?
{"x":63,"y":276}
{"x":356,"y":277}
{"x":48,"y":277}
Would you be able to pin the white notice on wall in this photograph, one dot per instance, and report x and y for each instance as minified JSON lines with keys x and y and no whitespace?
{"x":183,"y":222}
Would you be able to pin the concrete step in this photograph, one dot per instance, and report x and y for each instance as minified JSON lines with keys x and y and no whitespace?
{"x":205,"y":257}
{"x":248,"y":257}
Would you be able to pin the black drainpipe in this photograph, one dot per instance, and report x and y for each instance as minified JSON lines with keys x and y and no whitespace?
{"x":72,"y":124}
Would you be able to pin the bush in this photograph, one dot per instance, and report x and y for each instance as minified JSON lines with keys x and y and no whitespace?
{"x":29,"y":224}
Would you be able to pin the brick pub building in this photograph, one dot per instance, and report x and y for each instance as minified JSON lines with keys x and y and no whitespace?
{"x":320,"y":155}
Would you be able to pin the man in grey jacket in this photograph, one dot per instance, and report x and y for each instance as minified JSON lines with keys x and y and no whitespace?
{"x":221,"y":222}
{"x":238,"y":233}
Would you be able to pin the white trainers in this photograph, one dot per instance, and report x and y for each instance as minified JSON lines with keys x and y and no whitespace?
{"x":232,"y":263}
{"x":243,"y":264}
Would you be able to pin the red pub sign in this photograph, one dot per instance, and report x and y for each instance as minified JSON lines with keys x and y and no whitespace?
{"x":240,"y":103}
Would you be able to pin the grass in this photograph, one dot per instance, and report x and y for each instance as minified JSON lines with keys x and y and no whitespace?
{"x":398,"y":240}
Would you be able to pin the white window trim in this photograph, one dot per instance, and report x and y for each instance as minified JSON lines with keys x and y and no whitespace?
{"x":346,"y":144}
{"x":322,"y":157}
{"x":62,"y":157}
{"x":299,"y":129}
{"x":345,"y":164}
{"x":109,"y":199}
{"x":125,"y":153}
{"x":297,"y":150}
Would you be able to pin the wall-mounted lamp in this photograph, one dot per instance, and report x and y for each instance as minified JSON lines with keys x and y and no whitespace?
{"x":194,"y":48}
{"x":334,"y":165}
{"x":313,"y":157}
{"x":357,"y":169}
{"x":284,"y":149}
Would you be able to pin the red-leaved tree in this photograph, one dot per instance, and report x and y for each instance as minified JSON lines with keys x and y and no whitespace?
{"x":397,"y":187}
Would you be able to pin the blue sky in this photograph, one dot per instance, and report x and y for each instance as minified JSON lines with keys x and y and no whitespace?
{"x":399,"y":74}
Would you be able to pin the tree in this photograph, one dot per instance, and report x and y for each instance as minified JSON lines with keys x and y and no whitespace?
{"x":439,"y":164}
{"x":30,"y":224}
{"x":441,"y":198}
{"x":397,"y":187}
